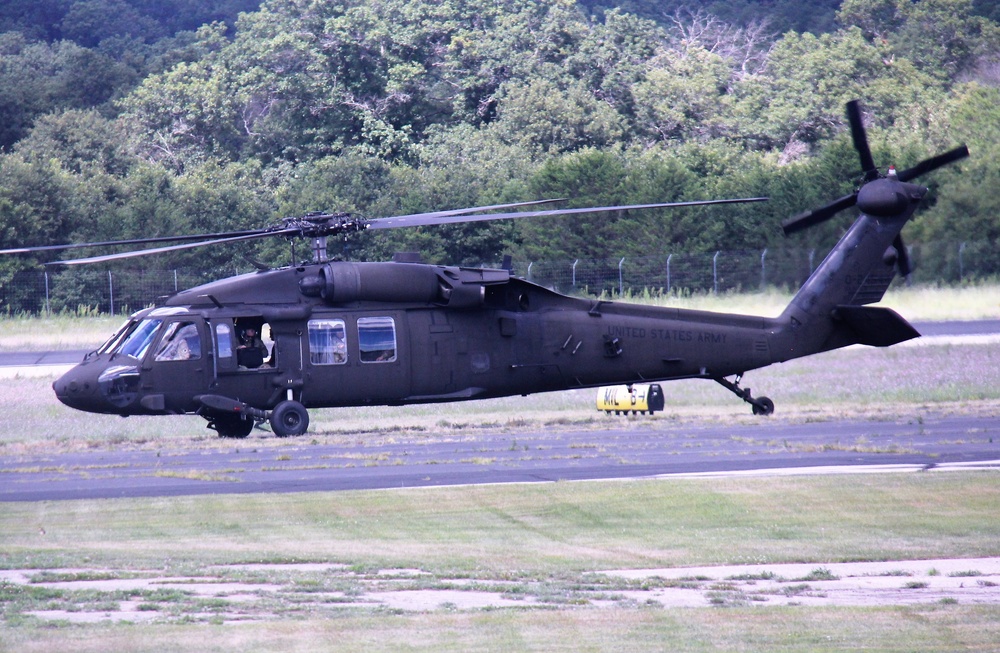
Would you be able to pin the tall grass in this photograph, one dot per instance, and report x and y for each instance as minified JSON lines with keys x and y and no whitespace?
{"x":926,"y":303}
{"x":58,"y":331}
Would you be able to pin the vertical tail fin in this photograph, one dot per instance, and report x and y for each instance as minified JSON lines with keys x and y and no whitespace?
{"x":830,"y":311}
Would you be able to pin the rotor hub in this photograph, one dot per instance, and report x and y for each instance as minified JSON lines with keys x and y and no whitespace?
{"x":322,"y":225}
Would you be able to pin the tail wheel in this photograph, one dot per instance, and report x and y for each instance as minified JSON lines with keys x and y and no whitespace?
{"x":762,"y":406}
{"x":289,"y":418}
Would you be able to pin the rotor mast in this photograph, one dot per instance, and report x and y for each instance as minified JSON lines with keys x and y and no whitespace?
{"x":319,"y":250}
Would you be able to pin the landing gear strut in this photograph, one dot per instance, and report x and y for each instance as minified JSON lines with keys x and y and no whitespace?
{"x":232,"y":418}
{"x":760,"y":405}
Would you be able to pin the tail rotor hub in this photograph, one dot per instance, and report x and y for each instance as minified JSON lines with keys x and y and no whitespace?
{"x":884,"y":198}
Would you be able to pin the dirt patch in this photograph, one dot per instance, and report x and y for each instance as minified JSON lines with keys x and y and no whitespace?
{"x":967,"y":581}
{"x":271,"y":591}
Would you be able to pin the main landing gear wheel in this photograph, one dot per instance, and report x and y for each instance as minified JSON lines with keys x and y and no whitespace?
{"x":289,"y":418}
{"x":231,"y":426}
{"x":760,"y":405}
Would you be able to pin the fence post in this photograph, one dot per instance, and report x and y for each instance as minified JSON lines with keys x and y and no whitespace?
{"x":621,"y":283}
{"x":763,"y":270}
{"x":574,"y":272}
{"x":529,"y":270}
{"x":47,"y":310}
{"x":812,"y":255}
{"x":715,"y":273}
{"x":961,"y":261}
{"x":111,"y":287}
{"x":669,"y":256}
{"x":175,"y":280}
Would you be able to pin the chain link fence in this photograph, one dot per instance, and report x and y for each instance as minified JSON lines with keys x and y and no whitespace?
{"x":727,"y":271}
{"x":122,"y":291}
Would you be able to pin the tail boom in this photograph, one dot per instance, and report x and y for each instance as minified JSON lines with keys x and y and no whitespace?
{"x":829,"y":311}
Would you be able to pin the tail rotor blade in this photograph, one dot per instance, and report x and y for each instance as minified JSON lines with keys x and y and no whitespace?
{"x":902,"y":256}
{"x":822,"y":214}
{"x":933,"y":163}
{"x":860,"y":139}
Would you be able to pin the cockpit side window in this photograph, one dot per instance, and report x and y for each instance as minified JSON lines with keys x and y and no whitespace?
{"x":180,"y":341}
{"x":327,"y":342}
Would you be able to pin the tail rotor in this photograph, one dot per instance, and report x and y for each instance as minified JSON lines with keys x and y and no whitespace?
{"x":880,"y":198}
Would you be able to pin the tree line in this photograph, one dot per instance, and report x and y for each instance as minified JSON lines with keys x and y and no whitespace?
{"x":123,"y":119}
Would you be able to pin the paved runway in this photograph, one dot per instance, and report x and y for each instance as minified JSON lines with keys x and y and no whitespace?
{"x":640,"y":449}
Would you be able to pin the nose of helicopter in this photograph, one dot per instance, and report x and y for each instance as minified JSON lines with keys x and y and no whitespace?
{"x":79,"y":388}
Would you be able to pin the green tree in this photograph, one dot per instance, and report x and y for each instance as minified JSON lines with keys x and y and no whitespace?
{"x":941,"y":37}
{"x":588,"y":177}
{"x":546,"y":118}
{"x":303,"y":80}
{"x":800,"y":95}
{"x":88,"y":22}
{"x":186,"y":114}
{"x":683,"y":95}
{"x":82,"y":141}
{"x":38,"y":78}
{"x":965,"y":206}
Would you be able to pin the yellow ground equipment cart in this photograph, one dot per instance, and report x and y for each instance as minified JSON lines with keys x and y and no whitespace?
{"x":635,"y":398}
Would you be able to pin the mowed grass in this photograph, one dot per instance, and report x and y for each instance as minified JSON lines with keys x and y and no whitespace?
{"x":552,"y":535}
{"x":940,"y":629}
{"x":533,"y":530}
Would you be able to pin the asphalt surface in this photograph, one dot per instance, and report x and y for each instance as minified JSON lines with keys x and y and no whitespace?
{"x":627,"y":448}
{"x":639,"y":449}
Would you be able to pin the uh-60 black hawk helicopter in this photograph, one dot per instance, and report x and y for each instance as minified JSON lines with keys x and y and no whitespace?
{"x":393,"y":333}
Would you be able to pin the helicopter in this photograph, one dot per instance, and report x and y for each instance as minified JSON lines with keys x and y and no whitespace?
{"x":347,"y":333}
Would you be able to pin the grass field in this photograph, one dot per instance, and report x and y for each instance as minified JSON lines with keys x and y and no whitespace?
{"x":539,"y":546}
{"x":306,"y":572}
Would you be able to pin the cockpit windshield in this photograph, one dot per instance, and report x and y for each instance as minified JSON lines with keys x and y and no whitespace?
{"x":115,"y":339}
{"x":135,"y":341}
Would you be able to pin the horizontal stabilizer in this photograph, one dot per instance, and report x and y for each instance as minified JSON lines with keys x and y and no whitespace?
{"x":874,"y":326}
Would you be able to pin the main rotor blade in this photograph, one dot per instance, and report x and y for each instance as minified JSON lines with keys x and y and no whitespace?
{"x":133,"y":241}
{"x":822,"y":214}
{"x":171,"y":248}
{"x":933,"y":163}
{"x":405,"y":221}
{"x":298,"y":228}
{"x":860,"y":138}
{"x":247,"y":232}
{"x":475,"y":209}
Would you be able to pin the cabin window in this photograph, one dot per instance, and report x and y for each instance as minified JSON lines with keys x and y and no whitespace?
{"x":377,"y":339}
{"x":327,"y":342}
{"x":224,"y":338}
{"x":180,"y":342}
